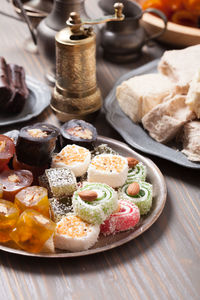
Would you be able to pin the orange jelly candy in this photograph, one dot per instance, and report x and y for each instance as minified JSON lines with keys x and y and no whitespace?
{"x":14,"y":181}
{"x":32,"y":231}
{"x":34,"y":197}
{"x":35,"y":170}
{"x":9,"y":215}
{"x":7,"y":150}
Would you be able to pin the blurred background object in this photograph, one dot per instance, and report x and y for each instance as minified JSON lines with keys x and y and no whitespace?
{"x":183,"y":12}
{"x":123,"y":41}
{"x":36,"y":10}
{"x":53,"y":23}
{"x":184,"y":21}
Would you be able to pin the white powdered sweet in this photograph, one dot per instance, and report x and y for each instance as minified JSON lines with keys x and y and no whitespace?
{"x":74,"y":234}
{"x":109,"y":169}
{"x":76,"y":158}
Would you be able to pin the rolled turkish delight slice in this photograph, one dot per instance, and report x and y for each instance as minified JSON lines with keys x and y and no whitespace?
{"x":74,"y":157}
{"x":127,"y":216}
{"x":36,"y":144}
{"x":136,"y":173}
{"x":97,"y":210}
{"x":78,"y":132}
{"x":109,"y":169}
{"x":143,"y":199}
{"x":62,"y":181}
{"x":74,"y":234}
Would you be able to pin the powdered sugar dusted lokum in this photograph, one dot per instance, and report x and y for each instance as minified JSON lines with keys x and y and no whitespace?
{"x":62,"y":181}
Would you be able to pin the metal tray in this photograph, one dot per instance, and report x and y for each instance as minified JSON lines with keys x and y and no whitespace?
{"x":133,"y":133}
{"x":154,"y":176}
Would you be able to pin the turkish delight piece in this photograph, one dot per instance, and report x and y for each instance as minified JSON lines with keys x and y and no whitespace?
{"x":191,"y":140}
{"x":193,"y":96}
{"x":180,"y":66}
{"x":62,"y":181}
{"x":138,"y":95}
{"x":59,"y":208}
{"x":165,"y":120}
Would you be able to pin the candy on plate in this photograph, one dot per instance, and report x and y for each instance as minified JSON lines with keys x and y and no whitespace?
{"x":109,"y":169}
{"x":143,"y":199}
{"x":34,"y":197}
{"x":98,"y":210}
{"x":74,"y":157}
{"x":14,"y":181}
{"x":9,"y":214}
{"x":126,"y":217}
{"x":32,"y":230}
{"x":74,"y":234}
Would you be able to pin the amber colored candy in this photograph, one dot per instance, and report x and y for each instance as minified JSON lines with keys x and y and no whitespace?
{"x":32,"y":231}
{"x":9,"y":214}
{"x":34,"y":197}
{"x":14,"y":181}
{"x":7,"y":150}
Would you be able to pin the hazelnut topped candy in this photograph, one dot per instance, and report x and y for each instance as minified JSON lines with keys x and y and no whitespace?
{"x":13,"y":181}
{"x":78,"y":132}
{"x":36,"y":144}
{"x":7,"y":150}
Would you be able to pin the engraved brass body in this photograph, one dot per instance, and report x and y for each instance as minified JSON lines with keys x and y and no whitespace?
{"x":76,"y":94}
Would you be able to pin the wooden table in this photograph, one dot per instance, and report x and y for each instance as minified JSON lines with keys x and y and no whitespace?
{"x":162,"y":263}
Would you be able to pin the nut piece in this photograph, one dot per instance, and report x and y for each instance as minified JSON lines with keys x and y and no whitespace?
{"x":133,"y":189}
{"x":88,"y":195}
{"x":132,"y":162}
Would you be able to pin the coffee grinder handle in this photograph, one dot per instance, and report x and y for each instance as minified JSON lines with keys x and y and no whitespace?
{"x":76,"y":23}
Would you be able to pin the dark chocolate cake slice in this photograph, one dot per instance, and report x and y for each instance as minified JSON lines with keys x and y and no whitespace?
{"x":17,"y":102}
{"x":13,"y":88}
{"x":6,"y":84}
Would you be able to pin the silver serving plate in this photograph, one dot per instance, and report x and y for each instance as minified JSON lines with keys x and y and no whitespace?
{"x":133,"y":133}
{"x":154,"y":176}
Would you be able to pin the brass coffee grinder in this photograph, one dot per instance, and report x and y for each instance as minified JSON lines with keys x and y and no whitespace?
{"x":76,"y":94}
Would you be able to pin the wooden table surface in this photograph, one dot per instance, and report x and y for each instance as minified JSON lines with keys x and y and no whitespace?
{"x":162,"y":263}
